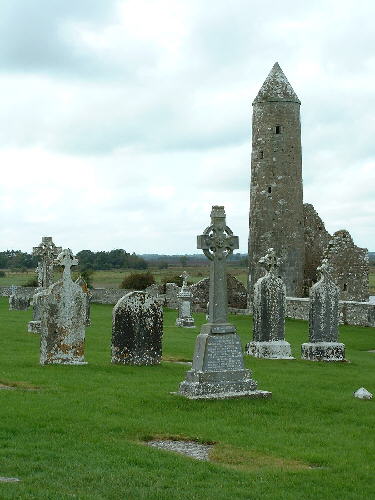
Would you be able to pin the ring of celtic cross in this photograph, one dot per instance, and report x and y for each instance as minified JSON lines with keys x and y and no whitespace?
{"x":220,"y":245}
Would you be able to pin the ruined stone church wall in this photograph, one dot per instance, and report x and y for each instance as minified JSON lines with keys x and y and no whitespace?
{"x":350,"y":266}
{"x":316,"y":241}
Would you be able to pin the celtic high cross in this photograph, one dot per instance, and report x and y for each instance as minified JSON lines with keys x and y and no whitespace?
{"x":47,"y":251}
{"x":217,"y":243}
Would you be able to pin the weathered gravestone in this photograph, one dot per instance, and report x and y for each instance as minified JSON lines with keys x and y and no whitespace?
{"x":47,"y":251}
{"x":137,"y":330}
{"x":17,"y":301}
{"x":218,"y":368}
{"x":171,"y":295}
{"x":63,"y":318}
{"x":269,"y":313}
{"x":323,"y":320}
{"x":82,"y":283}
{"x":185,"y":297}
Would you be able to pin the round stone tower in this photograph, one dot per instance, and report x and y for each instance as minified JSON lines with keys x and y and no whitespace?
{"x":276,"y":194}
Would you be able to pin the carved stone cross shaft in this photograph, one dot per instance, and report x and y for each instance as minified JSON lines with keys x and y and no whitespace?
{"x":47,"y":251}
{"x":217,"y":242}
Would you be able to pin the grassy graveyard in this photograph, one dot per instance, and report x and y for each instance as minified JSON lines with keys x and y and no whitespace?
{"x":77,"y":431}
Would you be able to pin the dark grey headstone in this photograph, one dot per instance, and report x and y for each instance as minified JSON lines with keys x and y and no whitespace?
{"x":323,"y":342}
{"x":137,"y":330}
{"x":269,"y":313}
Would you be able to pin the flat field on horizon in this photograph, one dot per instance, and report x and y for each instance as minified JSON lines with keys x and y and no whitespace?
{"x":79,"y":431}
{"x":113,"y":278}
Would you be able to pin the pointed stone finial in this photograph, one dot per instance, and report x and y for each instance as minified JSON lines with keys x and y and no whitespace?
{"x":324,"y":269}
{"x":270,"y":262}
{"x":184,"y":277}
{"x":276,"y":87}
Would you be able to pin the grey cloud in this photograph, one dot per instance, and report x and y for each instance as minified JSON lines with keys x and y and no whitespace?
{"x":38,"y":39}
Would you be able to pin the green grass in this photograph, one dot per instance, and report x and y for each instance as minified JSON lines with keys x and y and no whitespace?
{"x":79,"y":435}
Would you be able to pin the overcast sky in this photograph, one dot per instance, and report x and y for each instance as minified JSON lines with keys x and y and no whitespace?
{"x":122,"y":122}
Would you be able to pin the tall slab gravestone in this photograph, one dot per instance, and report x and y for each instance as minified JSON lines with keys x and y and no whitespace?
{"x":82,"y":283}
{"x":185,"y":297}
{"x":137,"y":330}
{"x":269,"y":313}
{"x":323,"y":342}
{"x":47,"y":251}
{"x":63,"y":318}
{"x":218,"y":367}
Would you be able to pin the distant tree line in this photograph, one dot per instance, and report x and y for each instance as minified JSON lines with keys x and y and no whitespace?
{"x":15,"y":259}
{"x":114,"y":259}
{"x":164,"y":261}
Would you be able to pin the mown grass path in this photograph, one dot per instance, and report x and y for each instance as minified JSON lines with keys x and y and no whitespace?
{"x":79,"y":435}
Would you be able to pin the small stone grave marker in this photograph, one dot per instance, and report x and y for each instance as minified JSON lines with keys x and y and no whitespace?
{"x":185,"y":297}
{"x":362,"y":393}
{"x":190,"y":448}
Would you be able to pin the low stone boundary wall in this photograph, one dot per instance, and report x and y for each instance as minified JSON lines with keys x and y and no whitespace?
{"x":351,"y":313}
{"x":107,"y":295}
{"x":27,"y":291}
{"x":99,"y":295}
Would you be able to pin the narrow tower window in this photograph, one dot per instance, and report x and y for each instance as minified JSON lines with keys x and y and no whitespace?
{"x":278,"y":129}
{"x":261,"y":155}
{"x":345,"y":288}
{"x":269,"y":189}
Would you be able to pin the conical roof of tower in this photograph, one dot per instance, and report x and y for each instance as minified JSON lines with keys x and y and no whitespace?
{"x":276,"y":87}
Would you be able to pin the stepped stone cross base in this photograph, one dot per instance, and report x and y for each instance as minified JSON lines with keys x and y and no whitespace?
{"x":274,"y":349}
{"x":34,"y":326}
{"x":185,"y":322}
{"x":323,"y":351}
{"x":218,"y":371}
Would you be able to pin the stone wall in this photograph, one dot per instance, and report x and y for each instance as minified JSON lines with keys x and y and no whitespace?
{"x":107,"y":295}
{"x":316,"y":241}
{"x":237,"y":294}
{"x":99,"y":295}
{"x":26,"y":291}
{"x":350,"y":312}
